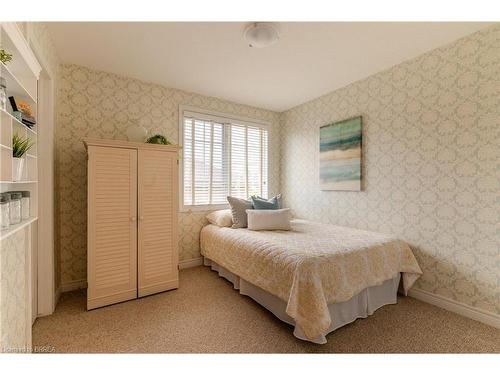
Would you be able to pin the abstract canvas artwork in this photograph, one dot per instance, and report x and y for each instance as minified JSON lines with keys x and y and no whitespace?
{"x":340,"y":155}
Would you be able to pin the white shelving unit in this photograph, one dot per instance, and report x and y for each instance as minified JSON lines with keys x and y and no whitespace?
{"x":21,"y":83}
{"x":10,"y":126}
{"x":21,"y":75}
{"x":16,"y":227}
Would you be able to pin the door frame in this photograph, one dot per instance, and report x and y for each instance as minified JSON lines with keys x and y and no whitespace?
{"x":44,"y":263}
{"x":45,"y":257}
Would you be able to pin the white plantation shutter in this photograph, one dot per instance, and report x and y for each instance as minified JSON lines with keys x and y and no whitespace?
{"x":187,"y":149}
{"x":219,"y":168}
{"x":222,"y":157}
{"x":254,"y":162}
{"x":238,"y":143}
{"x":264,"y":172}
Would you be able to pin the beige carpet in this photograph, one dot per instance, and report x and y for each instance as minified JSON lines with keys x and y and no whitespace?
{"x":206,"y":315}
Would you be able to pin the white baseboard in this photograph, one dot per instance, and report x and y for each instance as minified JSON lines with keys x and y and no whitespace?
{"x":74,"y":285}
{"x":188,"y":263}
{"x":459,"y":308}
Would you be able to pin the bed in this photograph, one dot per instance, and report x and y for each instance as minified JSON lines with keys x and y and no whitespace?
{"x":317,"y":277}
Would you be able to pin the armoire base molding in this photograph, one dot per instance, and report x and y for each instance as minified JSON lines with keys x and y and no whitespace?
{"x":82,"y":284}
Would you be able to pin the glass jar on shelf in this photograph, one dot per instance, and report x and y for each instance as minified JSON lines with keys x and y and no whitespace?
{"x":3,"y":94}
{"x":15,"y":208}
{"x":25,"y":205}
{"x":4,"y":211}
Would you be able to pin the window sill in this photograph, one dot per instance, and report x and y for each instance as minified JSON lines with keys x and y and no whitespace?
{"x":203,"y":208}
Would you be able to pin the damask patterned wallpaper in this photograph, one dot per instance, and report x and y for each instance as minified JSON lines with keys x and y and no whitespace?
{"x":431,"y":161}
{"x":103,"y":105}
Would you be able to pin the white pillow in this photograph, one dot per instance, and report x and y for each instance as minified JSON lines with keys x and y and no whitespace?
{"x":269,"y":219}
{"x":222,"y":218}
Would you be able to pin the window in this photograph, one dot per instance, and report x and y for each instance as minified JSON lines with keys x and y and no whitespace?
{"x":221,"y":157}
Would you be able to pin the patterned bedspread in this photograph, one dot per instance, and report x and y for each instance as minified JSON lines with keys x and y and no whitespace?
{"x":311,"y":266}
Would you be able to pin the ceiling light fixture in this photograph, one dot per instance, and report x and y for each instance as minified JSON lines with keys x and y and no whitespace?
{"x":261,"y":34}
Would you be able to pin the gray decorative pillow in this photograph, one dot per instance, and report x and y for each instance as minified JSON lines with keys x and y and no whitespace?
{"x":239,"y":209}
{"x":264,"y":204}
{"x":273,"y":201}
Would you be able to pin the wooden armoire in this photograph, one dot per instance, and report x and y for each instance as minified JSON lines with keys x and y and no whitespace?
{"x":132,"y":229}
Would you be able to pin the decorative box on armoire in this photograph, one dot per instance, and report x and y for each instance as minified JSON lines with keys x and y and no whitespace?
{"x":132,"y":233}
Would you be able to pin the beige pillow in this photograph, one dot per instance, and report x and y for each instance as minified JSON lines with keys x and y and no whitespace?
{"x":222,"y":218}
{"x":269,"y":219}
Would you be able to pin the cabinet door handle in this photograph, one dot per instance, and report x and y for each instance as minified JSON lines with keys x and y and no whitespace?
{"x":132,"y":218}
{"x":141,"y":217}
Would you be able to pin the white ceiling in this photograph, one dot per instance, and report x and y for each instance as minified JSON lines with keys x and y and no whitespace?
{"x":311,"y":59}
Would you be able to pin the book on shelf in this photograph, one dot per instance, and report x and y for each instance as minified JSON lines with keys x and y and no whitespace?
{"x":19,"y":105}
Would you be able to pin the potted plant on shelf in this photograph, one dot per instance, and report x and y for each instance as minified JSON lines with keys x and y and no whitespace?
{"x":158,"y":139}
{"x":19,"y":147}
{"x":5,"y":57}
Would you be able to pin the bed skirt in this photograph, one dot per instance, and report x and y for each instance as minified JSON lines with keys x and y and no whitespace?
{"x":360,"y":306}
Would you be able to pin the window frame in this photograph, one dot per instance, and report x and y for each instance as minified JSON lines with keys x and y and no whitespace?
{"x":225,"y":118}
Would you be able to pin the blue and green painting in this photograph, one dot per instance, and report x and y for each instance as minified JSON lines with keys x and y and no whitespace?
{"x":340,"y":155}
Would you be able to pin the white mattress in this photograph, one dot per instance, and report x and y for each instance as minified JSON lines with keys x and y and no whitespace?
{"x":360,"y":306}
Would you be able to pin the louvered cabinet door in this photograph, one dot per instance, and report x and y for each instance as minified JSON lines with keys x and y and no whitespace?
{"x":112,"y":226}
{"x":157,"y":229}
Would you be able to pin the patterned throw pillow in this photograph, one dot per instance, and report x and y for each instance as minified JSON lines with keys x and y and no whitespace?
{"x":259,"y":203}
{"x":238,"y":209}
